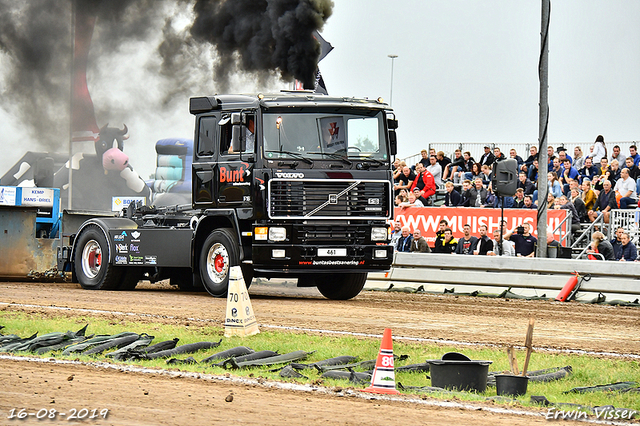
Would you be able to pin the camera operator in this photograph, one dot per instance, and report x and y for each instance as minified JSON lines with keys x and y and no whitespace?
{"x":524,"y":242}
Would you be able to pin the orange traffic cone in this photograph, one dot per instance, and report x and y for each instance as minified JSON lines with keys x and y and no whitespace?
{"x":384,"y":379}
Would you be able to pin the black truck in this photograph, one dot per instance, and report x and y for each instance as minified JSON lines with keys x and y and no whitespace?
{"x":294,"y":185}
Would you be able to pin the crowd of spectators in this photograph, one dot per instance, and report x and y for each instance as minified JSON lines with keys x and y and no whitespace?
{"x":517,"y":242}
{"x":589,"y":186}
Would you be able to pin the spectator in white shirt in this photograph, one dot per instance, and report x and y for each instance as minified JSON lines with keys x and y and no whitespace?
{"x":436,"y":170}
{"x":626,"y":188}
{"x":508,"y":248}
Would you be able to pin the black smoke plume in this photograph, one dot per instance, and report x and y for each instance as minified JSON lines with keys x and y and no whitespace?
{"x":262,"y":38}
{"x":265,"y":35}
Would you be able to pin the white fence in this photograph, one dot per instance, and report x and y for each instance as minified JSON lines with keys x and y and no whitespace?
{"x":522,"y":148}
{"x":627,"y":219}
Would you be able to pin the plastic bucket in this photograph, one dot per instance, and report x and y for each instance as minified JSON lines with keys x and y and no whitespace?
{"x":459,"y":375}
{"x":511,"y":385}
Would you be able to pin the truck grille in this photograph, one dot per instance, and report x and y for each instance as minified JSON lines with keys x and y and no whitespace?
{"x":329,"y":199}
{"x":319,"y":234}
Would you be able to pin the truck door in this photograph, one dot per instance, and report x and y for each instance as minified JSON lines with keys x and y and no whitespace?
{"x":233,"y":171}
{"x":204,"y":164}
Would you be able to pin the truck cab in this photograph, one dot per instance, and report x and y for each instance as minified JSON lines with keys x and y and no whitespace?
{"x":309,"y":179}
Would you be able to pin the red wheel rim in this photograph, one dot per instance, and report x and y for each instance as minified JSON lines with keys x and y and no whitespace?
{"x":218,"y":263}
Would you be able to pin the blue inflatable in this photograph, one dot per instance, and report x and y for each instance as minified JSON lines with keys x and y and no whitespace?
{"x":172,"y":180}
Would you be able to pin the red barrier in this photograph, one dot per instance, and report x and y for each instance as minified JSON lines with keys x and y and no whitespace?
{"x":426,"y":219}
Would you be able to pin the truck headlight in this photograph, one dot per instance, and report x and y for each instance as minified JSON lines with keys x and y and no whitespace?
{"x":277,"y":234}
{"x":378,"y":234}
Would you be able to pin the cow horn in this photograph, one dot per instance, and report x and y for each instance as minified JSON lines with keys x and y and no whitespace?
{"x":103,"y":127}
{"x":124,"y":132}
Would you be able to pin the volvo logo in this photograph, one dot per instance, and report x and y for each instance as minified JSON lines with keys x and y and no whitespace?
{"x":373,"y":201}
{"x":289,"y":175}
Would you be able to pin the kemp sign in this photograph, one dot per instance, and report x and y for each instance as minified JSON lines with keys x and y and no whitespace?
{"x":426,"y":219}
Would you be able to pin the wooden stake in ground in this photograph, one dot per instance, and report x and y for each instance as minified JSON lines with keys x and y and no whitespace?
{"x":528,"y":343}
{"x":513,"y":361}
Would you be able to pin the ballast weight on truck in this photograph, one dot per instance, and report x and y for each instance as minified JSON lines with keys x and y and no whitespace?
{"x":293,"y":185}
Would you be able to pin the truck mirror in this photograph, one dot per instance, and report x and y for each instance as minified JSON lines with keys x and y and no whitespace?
{"x":237,"y":138}
{"x":393,"y":142}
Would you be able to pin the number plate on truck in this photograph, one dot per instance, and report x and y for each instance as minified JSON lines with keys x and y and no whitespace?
{"x":332,"y":252}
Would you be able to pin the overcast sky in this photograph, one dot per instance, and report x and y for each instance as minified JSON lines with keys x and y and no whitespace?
{"x":467,"y":71}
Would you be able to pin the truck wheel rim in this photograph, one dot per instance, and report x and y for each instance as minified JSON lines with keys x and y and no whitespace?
{"x":218,"y":263}
{"x":91,"y":259}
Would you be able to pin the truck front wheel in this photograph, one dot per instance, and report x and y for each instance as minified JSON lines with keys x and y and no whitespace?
{"x":342,"y":286}
{"x":219,"y":253}
{"x":91,"y":261}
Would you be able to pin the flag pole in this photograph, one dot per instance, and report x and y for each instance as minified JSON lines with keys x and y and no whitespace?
{"x":71,"y":82}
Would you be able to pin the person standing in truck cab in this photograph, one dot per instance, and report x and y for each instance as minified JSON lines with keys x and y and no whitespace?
{"x":250,"y":137}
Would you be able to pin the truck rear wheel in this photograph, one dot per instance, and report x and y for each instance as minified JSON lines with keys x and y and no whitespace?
{"x":342,"y":286}
{"x":91,"y":261}
{"x":219,"y":253}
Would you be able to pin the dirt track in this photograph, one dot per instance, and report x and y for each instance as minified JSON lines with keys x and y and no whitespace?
{"x":182,"y":400}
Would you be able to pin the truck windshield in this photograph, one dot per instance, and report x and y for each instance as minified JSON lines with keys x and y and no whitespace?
{"x":325,"y":135}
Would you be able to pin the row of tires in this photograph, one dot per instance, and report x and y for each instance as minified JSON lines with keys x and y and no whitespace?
{"x":219,"y":252}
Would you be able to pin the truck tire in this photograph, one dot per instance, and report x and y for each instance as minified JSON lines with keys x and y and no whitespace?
{"x":219,"y":253}
{"x":342,"y":286}
{"x":94,"y":272}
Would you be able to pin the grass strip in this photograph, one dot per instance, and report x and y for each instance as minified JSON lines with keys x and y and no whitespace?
{"x":587,"y":370}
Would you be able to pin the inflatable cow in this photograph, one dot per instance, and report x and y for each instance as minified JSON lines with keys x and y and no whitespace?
{"x":110,"y":147}
{"x":105,"y":180}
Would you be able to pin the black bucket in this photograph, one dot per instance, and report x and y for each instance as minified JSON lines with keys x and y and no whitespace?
{"x":511,"y":385}
{"x":459,"y":374}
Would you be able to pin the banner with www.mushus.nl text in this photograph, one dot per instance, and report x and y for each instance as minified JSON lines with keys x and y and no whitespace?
{"x":426,"y":219}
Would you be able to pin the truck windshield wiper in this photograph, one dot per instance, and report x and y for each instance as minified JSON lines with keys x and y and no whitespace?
{"x":296,"y":155}
{"x":333,"y":155}
{"x":373,"y":160}
{"x":366,"y":163}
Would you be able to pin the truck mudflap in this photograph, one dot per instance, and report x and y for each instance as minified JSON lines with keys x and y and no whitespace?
{"x":307,"y":259}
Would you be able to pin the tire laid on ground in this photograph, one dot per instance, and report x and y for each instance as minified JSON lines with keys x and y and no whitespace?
{"x":219,"y":253}
{"x":92,"y":270}
{"x":342,"y":286}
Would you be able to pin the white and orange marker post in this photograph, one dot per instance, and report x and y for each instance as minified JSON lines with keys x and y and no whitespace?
{"x":240,"y":320}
